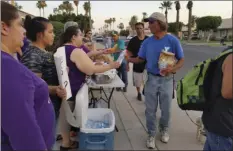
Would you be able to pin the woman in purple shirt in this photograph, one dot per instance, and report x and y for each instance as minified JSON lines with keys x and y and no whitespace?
{"x":79,"y":65}
{"x":27,"y":113}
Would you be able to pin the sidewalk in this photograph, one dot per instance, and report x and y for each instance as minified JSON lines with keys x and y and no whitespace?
{"x":131,"y":122}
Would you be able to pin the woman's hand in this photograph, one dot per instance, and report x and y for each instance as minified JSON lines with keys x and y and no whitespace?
{"x":114,"y":65}
{"x":61,"y":92}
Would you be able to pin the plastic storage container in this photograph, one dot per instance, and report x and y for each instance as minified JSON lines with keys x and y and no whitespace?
{"x":98,"y":139}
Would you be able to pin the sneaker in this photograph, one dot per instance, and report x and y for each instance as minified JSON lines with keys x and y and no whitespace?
{"x":118,"y":89}
{"x":164,"y":137}
{"x":139,"y":97}
{"x":125,"y":89}
{"x":150,"y":143}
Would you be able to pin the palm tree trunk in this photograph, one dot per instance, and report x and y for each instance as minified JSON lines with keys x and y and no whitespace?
{"x":189,"y":24}
{"x":40,"y":11}
{"x":43,"y":12}
{"x":177,"y":22}
{"x":166,"y":15}
{"x":90,"y":14}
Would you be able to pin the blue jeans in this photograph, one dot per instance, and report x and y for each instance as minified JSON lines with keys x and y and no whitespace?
{"x":216,"y":143}
{"x":158,"y":90}
{"x":123,"y":73}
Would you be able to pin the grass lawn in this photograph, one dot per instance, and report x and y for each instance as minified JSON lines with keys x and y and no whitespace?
{"x":201,"y":42}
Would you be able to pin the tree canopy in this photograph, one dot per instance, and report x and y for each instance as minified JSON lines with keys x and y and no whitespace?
{"x":207,"y":23}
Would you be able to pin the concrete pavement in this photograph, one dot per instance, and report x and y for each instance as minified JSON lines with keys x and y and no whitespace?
{"x":130,"y":113}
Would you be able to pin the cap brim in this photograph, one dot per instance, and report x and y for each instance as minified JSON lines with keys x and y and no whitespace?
{"x":146,"y":20}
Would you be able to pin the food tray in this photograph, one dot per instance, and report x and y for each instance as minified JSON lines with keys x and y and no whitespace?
{"x":104,"y":78}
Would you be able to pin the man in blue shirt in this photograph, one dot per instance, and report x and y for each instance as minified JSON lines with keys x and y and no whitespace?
{"x":117,"y":47}
{"x":160,"y":82}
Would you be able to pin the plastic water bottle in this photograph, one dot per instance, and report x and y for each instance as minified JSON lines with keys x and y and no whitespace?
{"x":89,"y":124}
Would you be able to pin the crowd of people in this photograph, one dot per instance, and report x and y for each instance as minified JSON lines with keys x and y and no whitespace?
{"x":32,"y":97}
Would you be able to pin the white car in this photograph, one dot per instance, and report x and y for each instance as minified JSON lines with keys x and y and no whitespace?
{"x":99,"y":39}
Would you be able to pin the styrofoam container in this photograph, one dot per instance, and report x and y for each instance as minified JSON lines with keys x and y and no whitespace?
{"x":97,"y":114}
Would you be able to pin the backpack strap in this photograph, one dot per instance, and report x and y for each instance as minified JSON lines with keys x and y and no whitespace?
{"x":173,"y":91}
{"x":224,"y":53}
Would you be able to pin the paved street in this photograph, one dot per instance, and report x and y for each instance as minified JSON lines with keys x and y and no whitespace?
{"x":130,"y":118}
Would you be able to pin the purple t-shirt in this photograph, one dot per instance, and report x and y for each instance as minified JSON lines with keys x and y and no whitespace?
{"x":76,"y":77}
{"x":84,"y":48}
{"x":28,"y":120}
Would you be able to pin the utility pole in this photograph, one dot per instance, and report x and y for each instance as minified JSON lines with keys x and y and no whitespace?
{"x":90,"y":15}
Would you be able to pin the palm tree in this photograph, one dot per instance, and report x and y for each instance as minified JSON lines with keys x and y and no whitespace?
{"x":76,"y":2}
{"x":43,"y":5}
{"x":113,"y":20}
{"x":89,"y":11}
{"x":86,"y":7}
{"x":109,"y":23}
{"x":177,"y":16}
{"x":121,"y":26}
{"x":39,"y":6}
{"x":189,"y":7}
{"x":161,"y":9}
{"x":67,"y":6}
{"x":144,"y":15}
{"x":55,"y":11}
{"x":133,"y":21}
{"x":167,"y":5}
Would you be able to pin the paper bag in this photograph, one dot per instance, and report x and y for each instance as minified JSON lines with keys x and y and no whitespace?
{"x":166,"y":59}
{"x":61,"y":66}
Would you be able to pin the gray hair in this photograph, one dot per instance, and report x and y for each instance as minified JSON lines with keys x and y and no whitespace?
{"x":69,"y":24}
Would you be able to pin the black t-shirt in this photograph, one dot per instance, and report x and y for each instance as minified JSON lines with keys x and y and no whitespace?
{"x":134,"y":46}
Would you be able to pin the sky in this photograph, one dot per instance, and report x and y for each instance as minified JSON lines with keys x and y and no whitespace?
{"x":123,"y":10}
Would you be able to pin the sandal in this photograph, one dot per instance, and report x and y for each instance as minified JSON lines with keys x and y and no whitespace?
{"x":73,"y":134}
{"x":74,"y":145}
{"x":59,"y":137}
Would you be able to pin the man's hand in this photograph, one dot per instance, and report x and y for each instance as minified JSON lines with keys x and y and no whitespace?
{"x":167,"y":71}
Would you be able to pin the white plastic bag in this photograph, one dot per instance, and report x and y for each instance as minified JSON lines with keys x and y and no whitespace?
{"x":79,"y":114}
{"x":61,"y":66}
{"x":101,"y":104}
{"x":121,"y":57}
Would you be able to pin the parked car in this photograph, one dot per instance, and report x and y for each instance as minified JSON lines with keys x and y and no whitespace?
{"x":99,"y":39}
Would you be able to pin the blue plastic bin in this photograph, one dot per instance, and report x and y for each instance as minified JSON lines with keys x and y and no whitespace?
{"x":97,"y":139}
